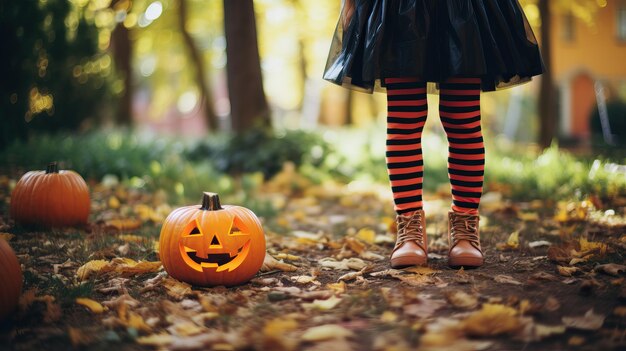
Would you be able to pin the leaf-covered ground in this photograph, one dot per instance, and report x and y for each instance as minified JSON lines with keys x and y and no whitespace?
{"x":553,"y":278}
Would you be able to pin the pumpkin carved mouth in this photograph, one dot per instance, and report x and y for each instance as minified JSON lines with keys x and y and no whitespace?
{"x":221,"y":258}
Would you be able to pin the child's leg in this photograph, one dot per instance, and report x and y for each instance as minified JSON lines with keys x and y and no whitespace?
{"x":406,"y":114}
{"x":459,"y":108}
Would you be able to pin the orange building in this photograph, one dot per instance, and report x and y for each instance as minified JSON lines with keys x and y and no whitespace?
{"x":589,"y":61}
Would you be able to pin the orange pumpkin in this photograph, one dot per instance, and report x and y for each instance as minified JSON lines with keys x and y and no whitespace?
{"x":212,"y":245}
{"x":51,"y":198}
{"x":10,"y":280}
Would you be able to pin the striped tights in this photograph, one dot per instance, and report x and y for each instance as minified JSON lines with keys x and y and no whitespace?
{"x":459,"y":110}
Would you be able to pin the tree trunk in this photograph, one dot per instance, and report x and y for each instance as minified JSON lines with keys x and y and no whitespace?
{"x":248,"y":106}
{"x":547,"y":110}
{"x":122,"y":56}
{"x":196,"y":58}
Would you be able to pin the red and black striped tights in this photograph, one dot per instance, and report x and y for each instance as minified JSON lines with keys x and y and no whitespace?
{"x":459,"y":110}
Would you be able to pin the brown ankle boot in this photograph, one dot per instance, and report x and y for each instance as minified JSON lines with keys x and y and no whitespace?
{"x":464,"y":240}
{"x":411,"y":244}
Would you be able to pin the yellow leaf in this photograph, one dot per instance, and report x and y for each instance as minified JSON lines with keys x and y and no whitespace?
{"x":91,"y":267}
{"x":567,"y":271}
{"x":326,"y":332}
{"x":7,"y":236}
{"x":93,"y":306}
{"x":155,"y":340}
{"x":462,"y":299}
{"x":355,"y":245}
{"x":421,"y":270}
{"x":528,"y":216}
{"x":271,"y":264}
{"x":186,"y":328}
{"x":339,"y":287}
{"x":278,"y":326}
{"x":492,"y":319}
{"x":323,"y":305}
{"x":285,"y":256}
{"x":366,"y":235}
{"x":388,"y":317}
{"x":590,"y":247}
{"x":176,"y":289}
{"x":114,"y":203}
{"x":512,"y":242}
{"x":123,"y":224}
{"x":137,"y":322}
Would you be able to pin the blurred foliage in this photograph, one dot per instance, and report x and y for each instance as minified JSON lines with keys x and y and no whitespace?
{"x":54,"y":71}
{"x":260,"y":150}
{"x":237,"y":165}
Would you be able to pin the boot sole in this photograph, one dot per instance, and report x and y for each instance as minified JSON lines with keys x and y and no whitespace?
{"x":407,"y":261}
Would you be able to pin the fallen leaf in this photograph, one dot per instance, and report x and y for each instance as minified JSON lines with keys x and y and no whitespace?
{"x":611,"y":268}
{"x":7,"y":236}
{"x":93,"y":306}
{"x":355,"y":245}
{"x":124,"y":224}
{"x":272,"y":264}
{"x":91,"y":267}
{"x":506,"y":279}
{"x":424,"y":308}
{"x":512,"y":243}
{"x":576,"y":340}
{"x":276,"y":335}
{"x":288,"y":257}
{"x":371,"y":256}
{"x":461,"y":299}
{"x":367,"y":235}
{"x":176,"y":289}
{"x":157,"y":340}
{"x":552,"y":304}
{"x":349,"y":276}
{"x":344,"y":265}
{"x":567,"y":271}
{"x":539,"y":243}
{"x":339,"y":287}
{"x":304,"y":279}
{"x":79,"y":338}
{"x":492,"y":319}
{"x":124,"y":266}
{"x":326,"y":332}
{"x":421,"y":270}
{"x":323,"y":305}
{"x":590,"y":321}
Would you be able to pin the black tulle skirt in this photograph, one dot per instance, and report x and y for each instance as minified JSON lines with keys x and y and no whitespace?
{"x":434,"y":40}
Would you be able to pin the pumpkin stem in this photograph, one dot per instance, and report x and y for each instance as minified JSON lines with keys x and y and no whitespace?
{"x":53,"y":167}
{"x":211,"y":202}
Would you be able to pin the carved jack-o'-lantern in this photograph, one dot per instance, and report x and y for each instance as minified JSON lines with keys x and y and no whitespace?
{"x":212,"y":245}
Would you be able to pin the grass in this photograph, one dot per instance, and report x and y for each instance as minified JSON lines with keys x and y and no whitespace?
{"x":236,"y":166}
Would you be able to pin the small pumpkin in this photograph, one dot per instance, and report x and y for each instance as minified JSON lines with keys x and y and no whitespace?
{"x":211,"y":245}
{"x":50,"y":198}
{"x":10,"y":280}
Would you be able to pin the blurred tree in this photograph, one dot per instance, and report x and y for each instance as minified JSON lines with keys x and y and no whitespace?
{"x":198,"y":62}
{"x":55,"y":74}
{"x":121,"y":47}
{"x":548,"y":115}
{"x":248,"y":106}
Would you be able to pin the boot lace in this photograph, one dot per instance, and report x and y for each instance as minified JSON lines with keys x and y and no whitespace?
{"x":464,"y":227}
{"x":410,"y":229}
